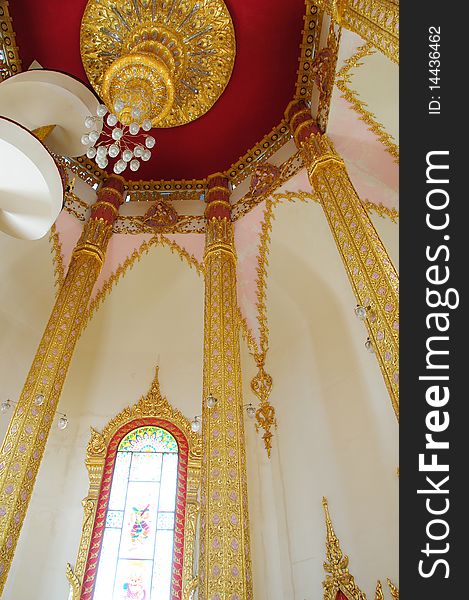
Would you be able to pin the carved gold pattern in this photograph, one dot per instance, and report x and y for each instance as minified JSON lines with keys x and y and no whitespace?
{"x":343,"y":82}
{"x":261,"y":385}
{"x":371,"y":273}
{"x":393,"y":589}
{"x":381,"y":210}
{"x":151,"y":405}
{"x":338,"y":576}
{"x":225,"y":558}
{"x":323,"y":70}
{"x":172,"y":60}
{"x":11,"y":63}
{"x":57,"y":258}
{"x":24,"y":443}
{"x":308,"y":49}
{"x":376,"y":21}
{"x":379,"y":591}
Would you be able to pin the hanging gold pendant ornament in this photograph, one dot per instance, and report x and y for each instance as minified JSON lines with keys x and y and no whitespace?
{"x":170,"y":59}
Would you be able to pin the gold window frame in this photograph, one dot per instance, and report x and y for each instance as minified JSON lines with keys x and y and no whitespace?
{"x":151,"y":405}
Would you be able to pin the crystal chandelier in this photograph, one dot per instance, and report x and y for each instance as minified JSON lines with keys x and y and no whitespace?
{"x":122,"y":142}
{"x":153,"y":64}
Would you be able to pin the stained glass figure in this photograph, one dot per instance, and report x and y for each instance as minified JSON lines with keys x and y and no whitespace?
{"x":137,"y":548}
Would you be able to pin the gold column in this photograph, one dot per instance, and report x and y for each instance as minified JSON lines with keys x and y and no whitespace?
{"x":376,"y":21}
{"x":24,"y":443}
{"x":372,"y":275}
{"x":225,"y":557}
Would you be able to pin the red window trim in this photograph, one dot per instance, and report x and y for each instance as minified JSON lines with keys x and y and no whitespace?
{"x":94,"y":552}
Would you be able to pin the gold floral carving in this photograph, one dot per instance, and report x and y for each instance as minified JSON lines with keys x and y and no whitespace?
{"x":376,"y":21}
{"x":381,"y":210}
{"x":173,"y":60}
{"x":261,"y":385}
{"x":151,"y":405}
{"x":10,"y":64}
{"x":338,"y":577}
{"x":372,"y":275}
{"x":393,"y":589}
{"x":343,"y":82}
{"x":225,"y":559}
{"x":57,"y":258}
{"x":379,"y":591}
{"x":24,"y":443}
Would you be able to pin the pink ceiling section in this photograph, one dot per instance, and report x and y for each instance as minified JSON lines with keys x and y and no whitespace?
{"x":192,"y":243}
{"x":372,"y":169}
{"x":248,"y":229}
{"x":121,"y":247}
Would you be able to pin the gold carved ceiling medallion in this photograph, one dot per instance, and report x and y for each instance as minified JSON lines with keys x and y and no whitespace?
{"x":170,"y":58}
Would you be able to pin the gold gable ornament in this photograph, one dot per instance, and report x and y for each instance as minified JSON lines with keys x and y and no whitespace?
{"x":338,"y":577}
{"x":151,"y":405}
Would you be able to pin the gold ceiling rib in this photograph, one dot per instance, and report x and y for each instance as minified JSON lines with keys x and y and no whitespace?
{"x":10,"y":62}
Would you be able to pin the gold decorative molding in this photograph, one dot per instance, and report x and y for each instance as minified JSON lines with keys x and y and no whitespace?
{"x":171,"y":60}
{"x":381,"y":210}
{"x":225,"y":558}
{"x":308,"y":49}
{"x":393,"y":589}
{"x":338,"y":577}
{"x":379,"y":591}
{"x":343,"y":82}
{"x":151,"y":405}
{"x":57,"y":258}
{"x":376,"y":21}
{"x":10,"y":64}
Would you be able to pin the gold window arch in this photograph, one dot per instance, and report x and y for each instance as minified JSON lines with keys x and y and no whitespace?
{"x":152,"y":409}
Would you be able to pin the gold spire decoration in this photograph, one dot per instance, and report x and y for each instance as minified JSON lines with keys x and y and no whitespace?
{"x":338,"y":576}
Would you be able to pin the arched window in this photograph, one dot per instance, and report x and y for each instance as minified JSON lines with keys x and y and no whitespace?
{"x":137,"y":547}
{"x":138,"y":535}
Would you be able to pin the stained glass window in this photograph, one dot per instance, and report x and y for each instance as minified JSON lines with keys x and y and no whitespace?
{"x":137,"y":549}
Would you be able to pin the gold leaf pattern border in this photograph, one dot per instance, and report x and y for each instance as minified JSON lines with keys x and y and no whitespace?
{"x":57,"y":258}
{"x":343,"y":82}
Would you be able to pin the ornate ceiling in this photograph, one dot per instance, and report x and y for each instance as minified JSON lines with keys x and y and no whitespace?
{"x":268,"y":37}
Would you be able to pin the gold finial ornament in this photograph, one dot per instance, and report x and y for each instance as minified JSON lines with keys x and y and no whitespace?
{"x":171,"y":60}
{"x":338,"y":576}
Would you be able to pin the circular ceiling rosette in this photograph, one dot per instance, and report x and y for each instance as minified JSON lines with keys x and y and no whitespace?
{"x":172,"y":58}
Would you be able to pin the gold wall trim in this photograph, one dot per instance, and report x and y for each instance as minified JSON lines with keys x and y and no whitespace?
{"x":151,"y":405}
{"x":381,"y":210}
{"x":111,"y":282}
{"x":57,"y":258}
{"x":343,"y":82}
{"x":11,"y":63}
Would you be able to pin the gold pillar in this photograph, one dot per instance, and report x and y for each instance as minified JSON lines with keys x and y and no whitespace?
{"x":376,"y":21}
{"x":372,"y":275}
{"x":225,"y":557}
{"x":24,"y":443}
